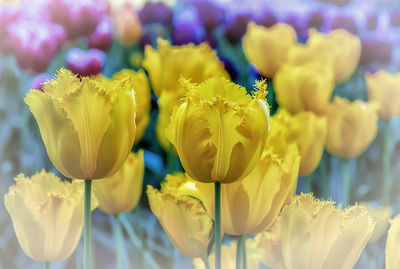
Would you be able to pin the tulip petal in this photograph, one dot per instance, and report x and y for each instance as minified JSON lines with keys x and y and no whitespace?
{"x":57,"y":133}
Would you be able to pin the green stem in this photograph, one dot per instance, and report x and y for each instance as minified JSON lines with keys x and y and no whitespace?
{"x":87,"y":257}
{"x":346,"y":182}
{"x":118,"y":238}
{"x":217,"y":224}
{"x":387,"y":153}
{"x":240,"y":251}
{"x":46,"y":265}
{"x":244,"y":256}
{"x":309,"y":183}
{"x":207,"y":264}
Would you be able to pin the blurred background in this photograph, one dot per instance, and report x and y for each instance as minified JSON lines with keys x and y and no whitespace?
{"x":98,"y":36}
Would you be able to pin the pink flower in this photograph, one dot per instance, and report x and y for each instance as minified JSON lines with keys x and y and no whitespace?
{"x":85,"y":62}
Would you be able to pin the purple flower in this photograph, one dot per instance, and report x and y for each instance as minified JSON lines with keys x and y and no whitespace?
{"x":395,"y":18}
{"x":210,"y":15}
{"x":35,"y":44}
{"x":210,"y":40}
{"x":299,"y":25}
{"x":236,"y":27}
{"x":372,"y":22}
{"x":183,"y":34}
{"x":37,"y":82}
{"x":315,"y":20}
{"x":102,"y":37}
{"x":375,"y":51}
{"x":267,"y":18}
{"x":145,"y":40}
{"x":85,"y":62}
{"x":156,"y":13}
{"x":344,"y":22}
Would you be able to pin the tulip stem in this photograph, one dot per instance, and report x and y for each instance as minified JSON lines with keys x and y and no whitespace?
{"x":207,"y":264}
{"x":387,"y":153}
{"x":87,"y":257}
{"x":118,"y":238}
{"x":241,"y":252}
{"x":346,"y":182}
{"x":46,"y":265}
{"x":217,"y":225}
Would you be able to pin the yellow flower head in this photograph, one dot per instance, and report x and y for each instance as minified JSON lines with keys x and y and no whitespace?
{"x":219,"y":130}
{"x":141,"y":87}
{"x":304,"y":87}
{"x":314,"y":234}
{"x":392,"y":245}
{"x":351,"y":127}
{"x":266,"y":48}
{"x":88,"y":127}
{"x":384,"y":88}
{"x":344,"y":47}
{"x":167,"y":65}
{"x":121,"y":192}
{"x":228,"y":256}
{"x":182,"y":216}
{"x":47,"y":215}
{"x":307,"y":130}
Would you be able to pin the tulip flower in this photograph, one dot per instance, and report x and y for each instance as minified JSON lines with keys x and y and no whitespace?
{"x":351,"y":127}
{"x":85,"y":62}
{"x":304,"y":87}
{"x":236,"y":26}
{"x":140,"y":85}
{"x":384,"y":88}
{"x":128,"y":28}
{"x":88,"y":128}
{"x":266,"y":48}
{"x":120,"y":192}
{"x":392,"y":259}
{"x":166,"y":65}
{"x":102,"y":37}
{"x":314,"y":234}
{"x":219,"y":130}
{"x":47,"y":215}
{"x":343,"y":46}
{"x":183,"y":218}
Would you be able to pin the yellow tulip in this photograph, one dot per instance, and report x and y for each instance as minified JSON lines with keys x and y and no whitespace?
{"x":344,"y":47}
{"x":304,"y":87}
{"x":47,"y":215}
{"x":266,"y":48}
{"x":128,"y":28}
{"x":252,"y":204}
{"x":384,"y":88}
{"x":314,"y":234}
{"x":167,"y":65}
{"x":121,"y":192}
{"x":307,"y":130}
{"x":253,"y":256}
{"x":141,"y":86}
{"x":88,"y":127}
{"x":183,"y":218}
{"x":351,"y":127}
{"x":219,"y":130}
{"x":392,"y":244}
